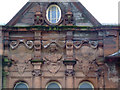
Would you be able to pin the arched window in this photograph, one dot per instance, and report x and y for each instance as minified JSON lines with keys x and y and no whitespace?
{"x":21,"y":85}
{"x":53,"y":85}
{"x":53,"y":14}
{"x":86,"y":85}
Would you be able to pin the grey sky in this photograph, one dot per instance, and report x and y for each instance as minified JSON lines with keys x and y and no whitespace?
{"x":105,"y":11}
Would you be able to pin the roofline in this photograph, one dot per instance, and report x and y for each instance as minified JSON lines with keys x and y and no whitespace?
{"x":90,"y":17}
{"x":17,"y":16}
{"x":78,"y":5}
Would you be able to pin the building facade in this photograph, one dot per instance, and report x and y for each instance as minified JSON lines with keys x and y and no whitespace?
{"x":59,"y":45}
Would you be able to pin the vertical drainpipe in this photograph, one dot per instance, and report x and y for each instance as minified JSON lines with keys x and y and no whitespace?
{"x":118,"y":62}
{"x":1,"y":52}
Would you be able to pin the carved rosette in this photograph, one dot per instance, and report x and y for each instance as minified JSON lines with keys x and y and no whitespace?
{"x":86,"y":52}
{"x":36,"y":72}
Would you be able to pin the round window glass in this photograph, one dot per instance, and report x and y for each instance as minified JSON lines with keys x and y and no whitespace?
{"x":86,"y":85}
{"x":21,"y":85}
{"x":53,"y":86}
{"x":53,"y":14}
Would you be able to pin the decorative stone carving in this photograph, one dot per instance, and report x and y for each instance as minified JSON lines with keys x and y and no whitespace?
{"x":38,"y":18}
{"x":53,"y":51}
{"x":53,"y":58}
{"x":15,"y":44}
{"x":21,"y":67}
{"x":36,"y":72}
{"x":92,"y":44}
{"x":68,"y":19}
{"x":37,"y":46}
{"x":69,"y":72}
{"x":53,"y":67}
{"x":69,"y":50}
{"x":86,"y":52}
{"x":20,"y":58}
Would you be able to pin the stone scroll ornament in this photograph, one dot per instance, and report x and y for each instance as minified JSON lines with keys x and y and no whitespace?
{"x":53,"y":55}
{"x":86,"y":53}
{"x":20,"y":54}
{"x":15,"y":44}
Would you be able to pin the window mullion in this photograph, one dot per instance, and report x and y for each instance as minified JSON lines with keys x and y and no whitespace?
{"x":50,"y":15}
{"x":56,"y":15}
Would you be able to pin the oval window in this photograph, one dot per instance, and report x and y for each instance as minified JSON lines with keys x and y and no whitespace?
{"x":53,"y":14}
{"x":53,"y":85}
{"x":21,"y":85}
{"x":86,"y":85}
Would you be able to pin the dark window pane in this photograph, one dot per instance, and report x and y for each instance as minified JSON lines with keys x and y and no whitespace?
{"x":85,"y":86}
{"x":53,"y":86}
{"x":21,"y":85}
{"x":53,"y":14}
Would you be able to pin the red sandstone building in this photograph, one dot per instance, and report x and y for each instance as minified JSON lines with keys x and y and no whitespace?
{"x":59,"y":45}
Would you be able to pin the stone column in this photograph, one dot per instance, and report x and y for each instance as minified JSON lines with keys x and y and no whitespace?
{"x":69,"y":75}
{"x":69,"y":62}
{"x":69,"y":46}
{"x":36,"y":74}
{"x":37,"y":60}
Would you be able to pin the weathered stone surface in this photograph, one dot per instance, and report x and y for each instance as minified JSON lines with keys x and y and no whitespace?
{"x":68,"y":55}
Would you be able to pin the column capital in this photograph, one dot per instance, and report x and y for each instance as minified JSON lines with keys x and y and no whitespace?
{"x":36,"y":72}
{"x":69,"y":72}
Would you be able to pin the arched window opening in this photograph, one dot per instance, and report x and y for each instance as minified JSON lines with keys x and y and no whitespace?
{"x":86,"y":85}
{"x":21,"y":85}
{"x":53,"y":85}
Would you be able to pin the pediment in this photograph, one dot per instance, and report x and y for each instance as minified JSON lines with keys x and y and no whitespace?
{"x":80,"y":15}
